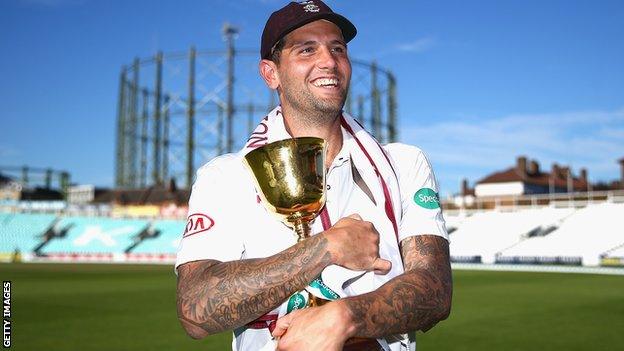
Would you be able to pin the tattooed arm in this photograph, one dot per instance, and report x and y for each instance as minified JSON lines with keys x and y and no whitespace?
{"x":415,"y":300}
{"x":215,"y":296}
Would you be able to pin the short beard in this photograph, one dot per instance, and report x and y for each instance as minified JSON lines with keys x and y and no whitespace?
{"x":315,"y":112}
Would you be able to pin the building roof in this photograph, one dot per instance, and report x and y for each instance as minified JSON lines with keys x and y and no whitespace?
{"x":4,"y":179}
{"x":513,"y":174}
{"x":148,"y":196}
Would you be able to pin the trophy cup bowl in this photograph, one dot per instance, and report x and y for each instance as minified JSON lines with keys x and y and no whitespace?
{"x":290,"y":179}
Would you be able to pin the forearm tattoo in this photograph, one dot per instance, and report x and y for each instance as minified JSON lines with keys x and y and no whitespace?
{"x":217,"y":296}
{"x":415,"y":300}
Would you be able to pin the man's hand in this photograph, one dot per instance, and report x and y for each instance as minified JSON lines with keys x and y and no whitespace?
{"x":315,"y":328}
{"x":354,"y":244}
{"x":414,"y":300}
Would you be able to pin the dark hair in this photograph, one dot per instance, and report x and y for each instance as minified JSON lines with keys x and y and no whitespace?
{"x":276,"y":51}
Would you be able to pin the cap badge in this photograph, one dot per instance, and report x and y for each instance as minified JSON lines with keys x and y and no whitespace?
{"x":309,"y":6}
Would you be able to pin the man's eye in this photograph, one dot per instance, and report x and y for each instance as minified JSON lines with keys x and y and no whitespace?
{"x":340,"y":49}
{"x":307,"y":50}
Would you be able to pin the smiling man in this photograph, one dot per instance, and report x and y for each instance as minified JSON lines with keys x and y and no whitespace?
{"x":379,"y":258}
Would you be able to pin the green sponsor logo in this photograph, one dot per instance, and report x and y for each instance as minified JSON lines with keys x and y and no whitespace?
{"x":324,"y":289}
{"x":427,"y":198}
{"x":296,"y":302}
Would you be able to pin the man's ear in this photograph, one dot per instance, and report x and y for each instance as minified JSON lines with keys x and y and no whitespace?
{"x":268,"y":71}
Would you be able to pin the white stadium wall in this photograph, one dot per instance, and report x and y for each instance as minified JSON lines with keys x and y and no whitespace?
{"x":499,"y":189}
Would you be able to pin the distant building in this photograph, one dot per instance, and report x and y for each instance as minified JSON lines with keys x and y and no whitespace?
{"x":9,"y":189}
{"x":41,"y":194}
{"x":13,"y":190}
{"x":84,"y":194}
{"x":154,"y":195}
{"x":526,"y":178}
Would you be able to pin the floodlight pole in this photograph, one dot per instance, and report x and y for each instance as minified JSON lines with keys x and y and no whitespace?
{"x":375,"y":104}
{"x":156,"y":133}
{"x":144,"y":116}
{"x":133,"y":118}
{"x":392,"y":109}
{"x":230,"y":33}
{"x":119,"y":171}
{"x":165,"y":141}
{"x":190,"y":120}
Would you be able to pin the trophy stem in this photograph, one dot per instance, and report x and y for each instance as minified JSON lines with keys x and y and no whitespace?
{"x":302,"y":229}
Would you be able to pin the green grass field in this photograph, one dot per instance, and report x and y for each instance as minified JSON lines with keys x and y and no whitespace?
{"x":132,"y":307}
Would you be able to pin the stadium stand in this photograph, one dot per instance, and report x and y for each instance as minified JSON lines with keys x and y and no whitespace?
{"x":587,"y":236}
{"x":482,"y":236}
{"x":167,"y":235}
{"x":613,"y":257}
{"x":583,"y":238}
{"x":22,"y":231}
{"x":454,"y":221}
{"x":95,"y":235}
{"x":617,"y":252}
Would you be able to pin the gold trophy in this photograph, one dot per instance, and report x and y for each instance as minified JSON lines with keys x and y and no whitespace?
{"x":290,"y":178}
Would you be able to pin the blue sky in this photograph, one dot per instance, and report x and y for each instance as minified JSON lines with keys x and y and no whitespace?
{"x":479,"y":82}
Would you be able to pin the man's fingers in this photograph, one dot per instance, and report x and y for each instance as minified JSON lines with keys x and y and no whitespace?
{"x":355,"y":216}
{"x":381,"y":266}
{"x":282,"y":325}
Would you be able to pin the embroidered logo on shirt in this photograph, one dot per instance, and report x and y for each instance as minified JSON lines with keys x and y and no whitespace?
{"x":319,"y":286}
{"x":427,"y":198}
{"x":296,"y":302}
{"x":197,"y":223}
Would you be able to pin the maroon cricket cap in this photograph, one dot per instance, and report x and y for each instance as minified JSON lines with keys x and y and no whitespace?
{"x":297,"y":14}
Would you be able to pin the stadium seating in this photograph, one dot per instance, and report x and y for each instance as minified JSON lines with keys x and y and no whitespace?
{"x":482,"y":236}
{"x":95,"y":235}
{"x":454,"y":221}
{"x":582,"y":238}
{"x":587,"y":236}
{"x":618,"y":252}
{"x":169,"y":233}
{"x":22,"y":231}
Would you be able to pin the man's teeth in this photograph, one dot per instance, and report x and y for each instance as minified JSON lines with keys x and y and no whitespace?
{"x":325,"y":82}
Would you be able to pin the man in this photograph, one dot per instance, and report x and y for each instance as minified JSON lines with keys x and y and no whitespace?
{"x":240,"y":269}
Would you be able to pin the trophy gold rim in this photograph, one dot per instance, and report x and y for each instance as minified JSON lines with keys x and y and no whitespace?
{"x":290,"y":179}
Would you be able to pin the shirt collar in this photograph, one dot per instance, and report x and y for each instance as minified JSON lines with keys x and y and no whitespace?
{"x":344,"y":155}
{"x":280,"y":133}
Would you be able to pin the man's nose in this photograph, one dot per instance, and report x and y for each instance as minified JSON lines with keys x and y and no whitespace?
{"x":326,"y":59}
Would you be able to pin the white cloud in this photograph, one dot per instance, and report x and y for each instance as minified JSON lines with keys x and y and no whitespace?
{"x":415,"y":46}
{"x":8,"y":151}
{"x":475,"y":147}
{"x":418,"y":45}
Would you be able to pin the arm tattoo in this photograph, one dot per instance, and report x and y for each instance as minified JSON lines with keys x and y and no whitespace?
{"x":414,"y":300}
{"x":215,"y":296}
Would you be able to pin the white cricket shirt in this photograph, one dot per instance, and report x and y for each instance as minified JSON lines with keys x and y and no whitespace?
{"x":226,"y":221}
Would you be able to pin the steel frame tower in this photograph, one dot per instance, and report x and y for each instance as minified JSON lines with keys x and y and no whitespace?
{"x":177,"y":110}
